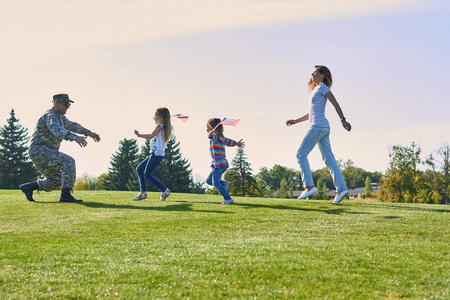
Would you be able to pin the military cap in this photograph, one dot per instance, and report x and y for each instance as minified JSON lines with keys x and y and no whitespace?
{"x":62,"y":97}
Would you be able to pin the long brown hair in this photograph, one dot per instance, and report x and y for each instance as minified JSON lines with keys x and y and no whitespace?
{"x":165,"y":116}
{"x":212,"y":123}
{"x":328,"y":79}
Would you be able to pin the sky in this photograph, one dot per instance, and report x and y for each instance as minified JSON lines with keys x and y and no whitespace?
{"x":241,"y":59}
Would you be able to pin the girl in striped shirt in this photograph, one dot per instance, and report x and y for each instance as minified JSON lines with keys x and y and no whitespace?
{"x":219,"y":163}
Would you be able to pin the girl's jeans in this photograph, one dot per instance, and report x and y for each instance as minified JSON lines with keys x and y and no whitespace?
{"x":214,"y":179}
{"x":320,"y":136}
{"x":145,"y":170}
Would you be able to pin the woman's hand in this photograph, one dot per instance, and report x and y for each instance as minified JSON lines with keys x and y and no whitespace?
{"x":295,"y":121}
{"x":346,"y":125}
{"x":290,"y":122}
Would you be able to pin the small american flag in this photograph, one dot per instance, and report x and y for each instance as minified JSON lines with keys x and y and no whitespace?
{"x":181,"y":117}
{"x":231,"y":122}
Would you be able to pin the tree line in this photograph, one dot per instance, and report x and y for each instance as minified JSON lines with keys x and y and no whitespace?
{"x":403,"y":181}
{"x":174,"y":170}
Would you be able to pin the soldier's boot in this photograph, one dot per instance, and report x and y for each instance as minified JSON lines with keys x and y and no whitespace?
{"x":28,"y":188}
{"x":67,"y":197}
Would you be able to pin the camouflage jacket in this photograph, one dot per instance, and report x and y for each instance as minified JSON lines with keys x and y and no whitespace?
{"x":53,"y":127}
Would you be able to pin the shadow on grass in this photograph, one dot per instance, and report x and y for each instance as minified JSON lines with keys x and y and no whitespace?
{"x":390,"y":217}
{"x":413,"y":207}
{"x":419,"y":208}
{"x":324,"y":209}
{"x":176,"y":207}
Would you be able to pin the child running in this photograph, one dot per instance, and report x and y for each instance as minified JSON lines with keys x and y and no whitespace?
{"x":319,"y":133}
{"x":159,"y":139}
{"x":219,"y":163}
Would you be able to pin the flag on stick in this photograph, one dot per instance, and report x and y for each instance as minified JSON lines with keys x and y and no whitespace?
{"x":231,"y":122}
{"x":226,"y":121}
{"x":181,"y":117}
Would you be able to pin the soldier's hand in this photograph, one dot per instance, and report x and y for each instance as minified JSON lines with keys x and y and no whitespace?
{"x":95,"y":136}
{"x":81,"y":140}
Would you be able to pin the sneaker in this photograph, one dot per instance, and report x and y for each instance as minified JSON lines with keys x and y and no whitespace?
{"x":228,"y":201}
{"x":226,"y":185}
{"x":340,"y":197}
{"x":165,"y":194}
{"x":306,"y":193}
{"x":140,"y":196}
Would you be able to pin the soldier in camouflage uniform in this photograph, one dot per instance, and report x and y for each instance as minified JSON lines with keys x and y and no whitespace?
{"x":59,"y":168}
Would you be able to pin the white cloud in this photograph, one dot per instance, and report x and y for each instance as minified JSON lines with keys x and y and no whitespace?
{"x":56,"y":25}
{"x":35,"y":32}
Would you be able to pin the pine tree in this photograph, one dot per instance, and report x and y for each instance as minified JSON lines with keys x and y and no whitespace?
{"x":122,"y":162}
{"x":242,"y":181}
{"x":198,"y":186}
{"x":145,"y":151}
{"x":133,"y":182}
{"x":15,"y":165}
{"x":107,"y":181}
{"x":174,"y":170}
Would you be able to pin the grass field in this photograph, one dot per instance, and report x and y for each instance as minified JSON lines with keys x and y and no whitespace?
{"x":192,"y":247}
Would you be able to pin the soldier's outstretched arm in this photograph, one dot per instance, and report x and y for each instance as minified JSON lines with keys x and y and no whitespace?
{"x":75,"y":127}
{"x":95,"y":136}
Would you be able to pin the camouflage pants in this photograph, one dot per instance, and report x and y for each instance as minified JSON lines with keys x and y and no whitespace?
{"x":57,"y":167}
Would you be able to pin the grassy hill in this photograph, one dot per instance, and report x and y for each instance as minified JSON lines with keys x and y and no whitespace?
{"x":190,"y":246}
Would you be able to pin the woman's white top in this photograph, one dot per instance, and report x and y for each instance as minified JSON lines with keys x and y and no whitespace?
{"x":317,"y":106}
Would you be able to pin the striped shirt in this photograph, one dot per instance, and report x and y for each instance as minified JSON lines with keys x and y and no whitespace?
{"x":217,"y":149}
{"x":317,"y":104}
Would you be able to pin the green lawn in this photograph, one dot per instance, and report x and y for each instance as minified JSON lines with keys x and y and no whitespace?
{"x":192,"y":247}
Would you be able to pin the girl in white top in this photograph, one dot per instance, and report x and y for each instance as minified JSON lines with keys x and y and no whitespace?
{"x":159,"y":139}
{"x":319,"y":133}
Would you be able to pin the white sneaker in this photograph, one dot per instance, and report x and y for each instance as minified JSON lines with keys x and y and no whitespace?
{"x":140,"y":196}
{"x":340,"y":197}
{"x":226,"y":185}
{"x":165,"y":194}
{"x":306,"y":193}
{"x":228,"y":201}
